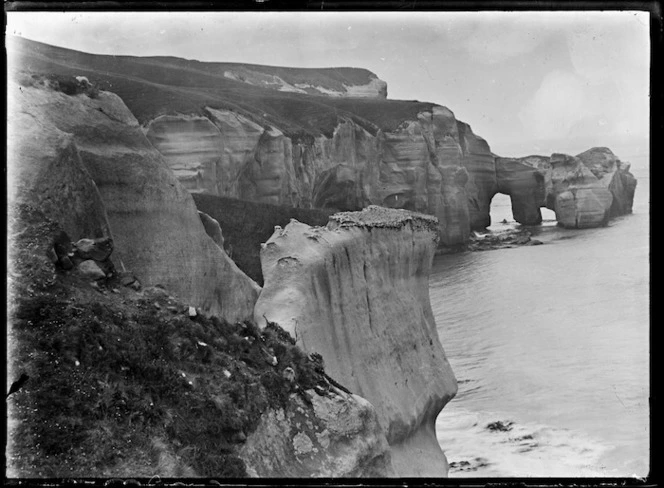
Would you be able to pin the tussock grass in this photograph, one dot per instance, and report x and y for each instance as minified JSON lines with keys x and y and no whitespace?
{"x":125,"y":383}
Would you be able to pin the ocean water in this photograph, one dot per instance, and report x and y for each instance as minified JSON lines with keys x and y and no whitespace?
{"x":550,"y":345}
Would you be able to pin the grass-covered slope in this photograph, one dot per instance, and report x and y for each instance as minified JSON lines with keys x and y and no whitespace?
{"x":155,"y":86}
{"x":246,"y":225}
{"x":123,"y":382}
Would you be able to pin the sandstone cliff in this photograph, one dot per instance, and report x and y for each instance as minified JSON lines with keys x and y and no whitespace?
{"x":126,"y":383}
{"x":357,"y":292}
{"x":302,"y":138}
{"x":421,"y":165}
{"x":83,"y":158}
{"x":584,"y":191}
{"x":79,"y":163}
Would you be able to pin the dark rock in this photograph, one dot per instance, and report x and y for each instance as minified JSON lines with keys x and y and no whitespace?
{"x":500,"y":426}
{"x":98,"y":249}
{"x":127,"y":279}
{"x":239,"y":437}
{"x":62,"y":244}
{"x":52,"y":256}
{"x":66,"y":263}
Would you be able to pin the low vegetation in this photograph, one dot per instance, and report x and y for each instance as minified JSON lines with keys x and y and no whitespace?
{"x":126,"y":383}
{"x":69,"y":85}
{"x":151,"y":87}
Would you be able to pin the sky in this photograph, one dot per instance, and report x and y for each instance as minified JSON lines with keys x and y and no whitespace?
{"x":527,"y":82}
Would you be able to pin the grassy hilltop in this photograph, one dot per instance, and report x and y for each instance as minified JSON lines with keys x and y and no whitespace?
{"x":154,"y":86}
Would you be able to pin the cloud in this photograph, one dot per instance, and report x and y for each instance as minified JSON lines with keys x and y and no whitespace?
{"x":560,"y":103}
{"x":605,"y":91}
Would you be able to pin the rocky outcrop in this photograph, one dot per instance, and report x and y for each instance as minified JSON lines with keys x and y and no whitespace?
{"x":589,"y":189}
{"x":356,"y":291}
{"x":335,"y":436}
{"x":584,"y":191}
{"x":612,"y":174}
{"x":85,"y":161}
{"x":579,"y":199}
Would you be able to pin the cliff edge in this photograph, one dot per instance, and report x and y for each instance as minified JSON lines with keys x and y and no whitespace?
{"x":357,"y":292}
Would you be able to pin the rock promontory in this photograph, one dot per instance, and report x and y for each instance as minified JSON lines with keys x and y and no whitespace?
{"x":357,"y":292}
{"x":584,"y":190}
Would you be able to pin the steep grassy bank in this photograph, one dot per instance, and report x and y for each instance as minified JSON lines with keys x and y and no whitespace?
{"x":125,"y":382}
{"x":246,"y":225}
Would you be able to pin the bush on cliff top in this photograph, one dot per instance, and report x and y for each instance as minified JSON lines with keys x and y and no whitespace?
{"x":246,"y":225}
{"x":124,"y":383}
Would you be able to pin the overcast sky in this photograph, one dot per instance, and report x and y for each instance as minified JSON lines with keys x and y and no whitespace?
{"x":528,"y":82}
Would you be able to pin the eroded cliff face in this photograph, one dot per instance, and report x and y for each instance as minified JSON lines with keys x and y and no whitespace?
{"x":614,"y":175}
{"x":423,"y":165}
{"x":85,"y":160}
{"x":357,"y":293}
{"x":584,"y":190}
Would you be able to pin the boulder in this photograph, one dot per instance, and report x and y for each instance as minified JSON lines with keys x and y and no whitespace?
{"x":98,"y":249}
{"x":91,"y":270}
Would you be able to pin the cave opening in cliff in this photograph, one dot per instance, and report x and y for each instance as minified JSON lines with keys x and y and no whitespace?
{"x":548,"y":215}
{"x":502,"y":212}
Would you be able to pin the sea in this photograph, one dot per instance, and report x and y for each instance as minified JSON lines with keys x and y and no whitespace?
{"x":550,"y":348}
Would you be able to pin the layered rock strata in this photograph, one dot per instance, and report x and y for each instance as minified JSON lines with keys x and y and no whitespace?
{"x":423,"y":165}
{"x":524,"y":181}
{"x":356,"y":291}
{"x":85,"y":161}
{"x":256,"y":133}
{"x":584,"y":190}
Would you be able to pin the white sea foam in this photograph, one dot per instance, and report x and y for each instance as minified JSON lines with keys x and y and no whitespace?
{"x":521,"y":450}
